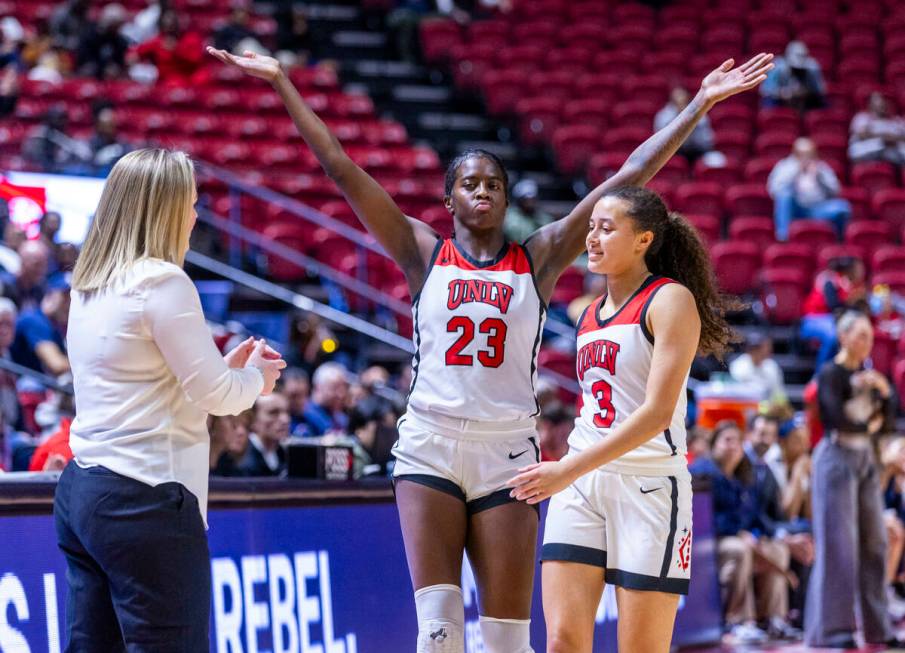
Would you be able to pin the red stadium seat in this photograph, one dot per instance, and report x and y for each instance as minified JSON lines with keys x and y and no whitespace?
{"x":895,"y":281}
{"x":724,"y":175}
{"x":503,"y":89}
{"x":888,"y":258}
{"x":883,"y":354}
{"x":889,"y":206}
{"x":604,"y":165}
{"x":569,"y":286}
{"x":295,"y":235}
{"x":561,"y":362}
{"x":584,"y":35}
{"x":539,"y":118}
{"x":898,"y":377}
{"x":732,"y":117}
{"x":797,"y":256}
{"x":748,"y":199}
{"x":699,"y":197}
{"x":573,"y":146}
{"x":830,"y":120}
{"x":783,"y":294}
{"x":439,"y":219}
{"x":736,"y":265}
{"x":438,"y":36}
{"x":488,"y":30}
{"x":757,"y":170}
{"x":831,"y":145}
{"x":734,"y":144}
{"x":827,"y":253}
{"x":590,"y":111}
{"x":859,"y":199}
{"x":551,"y":84}
{"x":873,"y":176}
{"x":778,"y":119}
{"x":535,"y":32}
{"x":869,"y":234}
{"x":812,"y":232}
{"x":753,"y":229}
{"x":775,"y":144}
{"x":708,"y":226}
{"x":624,"y":139}
{"x":637,"y":114}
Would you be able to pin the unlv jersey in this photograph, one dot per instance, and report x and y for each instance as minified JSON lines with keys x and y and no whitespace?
{"x":613,"y":363}
{"x":477,"y":332}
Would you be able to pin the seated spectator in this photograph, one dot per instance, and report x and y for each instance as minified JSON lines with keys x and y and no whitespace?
{"x":68,"y":22}
{"x":803,"y":186}
{"x":236,"y":30}
{"x":177,"y":54}
{"x":9,"y":399}
{"x":307,"y":334}
{"x":293,"y":37}
{"x":796,"y":80}
{"x":37,"y":43}
{"x":144,"y":25}
{"x":49,"y":227}
{"x":372,"y":422}
{"x":325,"y":410}
{"x":553,"y":429}
{"x":51,"y":148}
{"x":753,"y":569}
{"x":18,"y":447}
{"x":697,"y":442}
{"x":886,"y":309}
{"x":53,"y":454}
{"x":790,"y":462}
{"x":524,"y":217}
{"x":296,"y":386}
{"x":265,"y":455}
{"x":10,"y":263}
{"x":229,"y":442}
{"x":849,"y":533}
{"x":757,"y":366}
{"x":104,"y":145}
{"x":876,"y":135}
{"x":40,"y":333}
{"x":892,"y":480}
{"x":56,"y":407}
{"x":838,"y":287}
{"x":28,"y":286}
{"x":102,"y":49}
{"x":700,"y":141}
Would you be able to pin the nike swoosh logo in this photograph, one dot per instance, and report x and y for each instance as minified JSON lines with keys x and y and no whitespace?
{"x":643,"y":491}
{"x":514,"y":456}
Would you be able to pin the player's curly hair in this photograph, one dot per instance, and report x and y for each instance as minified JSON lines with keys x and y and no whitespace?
{"x":678,"y":253}
{"x":453,"y":169}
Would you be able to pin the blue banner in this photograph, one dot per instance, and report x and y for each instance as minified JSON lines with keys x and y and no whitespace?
{"x":312,"y":579}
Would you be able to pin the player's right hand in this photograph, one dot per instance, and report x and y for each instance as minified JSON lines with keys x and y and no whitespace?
{"x":262,"y":357}
{"x":256,"y":65}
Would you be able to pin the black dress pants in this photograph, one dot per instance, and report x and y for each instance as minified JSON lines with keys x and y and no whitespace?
{"x":138,"y":564}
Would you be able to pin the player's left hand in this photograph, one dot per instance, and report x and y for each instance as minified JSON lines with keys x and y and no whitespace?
{"x":727,"y":81}
{"x":540,"y":481}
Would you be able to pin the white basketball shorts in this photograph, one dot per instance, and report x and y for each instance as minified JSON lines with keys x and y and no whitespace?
{"x":469,"y":460}
{"x":638,"y":528}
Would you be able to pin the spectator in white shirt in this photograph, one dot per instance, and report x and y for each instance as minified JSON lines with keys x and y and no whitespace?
{"x":876,"y":134}
{"x":803,"y":186}
{"x":757,"y":366}
{"x":131,"y":508}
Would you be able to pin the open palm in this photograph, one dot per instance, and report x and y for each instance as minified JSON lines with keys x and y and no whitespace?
{"x":726,"y":81}
{"x":256,"y":65}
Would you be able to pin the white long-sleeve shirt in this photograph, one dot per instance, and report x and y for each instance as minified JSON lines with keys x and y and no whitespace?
{"x":146,"y":374}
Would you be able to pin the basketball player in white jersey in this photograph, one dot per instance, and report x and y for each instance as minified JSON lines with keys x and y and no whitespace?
{"x":479,"y":304}
{"x":621,"y":506}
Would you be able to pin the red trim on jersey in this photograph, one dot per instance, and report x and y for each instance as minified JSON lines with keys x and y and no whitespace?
{"x":514,"y":259}
{"x":630,"y":313}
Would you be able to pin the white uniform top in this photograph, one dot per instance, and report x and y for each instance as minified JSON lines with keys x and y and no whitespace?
{"x":613,"y":363}
{"x":146,"y":374}
{"x":477,"y":332}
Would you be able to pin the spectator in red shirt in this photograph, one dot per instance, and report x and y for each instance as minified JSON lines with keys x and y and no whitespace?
{"x":839,"y":286}
{"x":178,"y":54}
{"x":53,"y":454}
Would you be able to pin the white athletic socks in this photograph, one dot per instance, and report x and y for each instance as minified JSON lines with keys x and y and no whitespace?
{"x":441,"y":619}
{"x":506,"y":635}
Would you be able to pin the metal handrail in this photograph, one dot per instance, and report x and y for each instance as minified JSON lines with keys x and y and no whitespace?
{"x":44,"y":379}
{"x":300,"y":301}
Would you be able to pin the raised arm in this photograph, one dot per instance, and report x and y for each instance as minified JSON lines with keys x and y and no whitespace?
{"x":555,"y":246}
{"x":408,"y":241}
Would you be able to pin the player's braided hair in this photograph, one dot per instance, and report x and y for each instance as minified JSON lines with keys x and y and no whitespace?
{"x":453,"y":168}
{"x":677,"y":252}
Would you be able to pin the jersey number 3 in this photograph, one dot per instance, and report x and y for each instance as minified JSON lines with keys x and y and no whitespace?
{"x":496,"y":341}
{"x":603,"y":393}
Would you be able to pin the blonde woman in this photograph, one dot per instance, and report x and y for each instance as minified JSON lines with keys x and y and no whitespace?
{"x":131,"y":508}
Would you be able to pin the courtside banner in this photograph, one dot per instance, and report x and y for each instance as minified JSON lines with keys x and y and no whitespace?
{"x":311,"y":579}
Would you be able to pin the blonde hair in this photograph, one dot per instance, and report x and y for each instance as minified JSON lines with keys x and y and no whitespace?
{"x":143,"y":213}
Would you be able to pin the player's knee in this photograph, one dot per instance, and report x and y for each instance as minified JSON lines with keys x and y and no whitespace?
{"x":563,"y":639}
{"x":441,"y":619}
{"x":506,"y":635}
